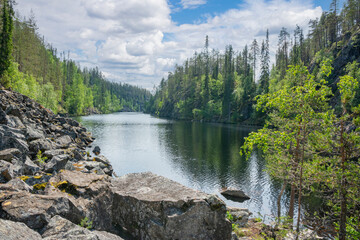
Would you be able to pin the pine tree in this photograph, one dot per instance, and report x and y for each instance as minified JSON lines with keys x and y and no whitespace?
{"x":6,"y":38}
{"x":229,"y":83}
{"x":207,"y":70}
{"x":254,"y":53}
{"x":265,"y":66}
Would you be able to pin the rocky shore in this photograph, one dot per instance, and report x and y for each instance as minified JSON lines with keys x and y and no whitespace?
{"x":51,"y":187}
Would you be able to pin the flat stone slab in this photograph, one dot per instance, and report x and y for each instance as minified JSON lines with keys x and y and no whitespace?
{"x":234,"y":194}
{"x":14,"y":231}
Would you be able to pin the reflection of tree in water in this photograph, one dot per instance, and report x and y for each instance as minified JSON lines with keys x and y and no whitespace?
{"x":206,"y":151}
{"x":208,"y":154}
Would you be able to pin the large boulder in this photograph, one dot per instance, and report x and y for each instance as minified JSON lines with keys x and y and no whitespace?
{"x":14,"y":231}
{"x":153,"y":207}
{"x":36,"y":210}
{"x":60,"y":228}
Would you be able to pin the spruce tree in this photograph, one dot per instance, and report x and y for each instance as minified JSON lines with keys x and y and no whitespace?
{"x":6,"y":38}
{"x":265,"y":66}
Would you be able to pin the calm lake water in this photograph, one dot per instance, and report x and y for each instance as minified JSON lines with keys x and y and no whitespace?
{"x":202,"y":156}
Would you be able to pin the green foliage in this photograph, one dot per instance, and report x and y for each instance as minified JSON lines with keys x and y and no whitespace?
{"x":306,"y":144}
{"x":86,"y":223}
{"x":6,"y":45}
{"x":59,"y":83}
{"x":40,"y":158}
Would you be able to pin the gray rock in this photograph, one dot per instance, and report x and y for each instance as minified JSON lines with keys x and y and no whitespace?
{"x":29,"y":167}
{"x":15,"y":122}
{"x":54,"y":152}
{"x":305,"y":234}
{"x":70,"y":166}
{"x":60,"y":228}
{"x":240,"y":215}
{"x":36,"y":210}
{"x":12,"y":138}
{"x":3,"y":117}
{"x":15,"y":185}
{"x":9,"y":154}
{"x":96,"y":150}
{"x":13,"y":110}
{"x":56,"y":163}
{"x":9,"y":171}
{"x":64,"y":141}
{"x":33,"y":134}
{"x":234,"y":194}
{"x":16,"y":231}
{"x":153,"y":207}
{"x":91,"y":165}
{"x":102,"y":159}
{"x":79,"y":155}
{"x":42,"y":145}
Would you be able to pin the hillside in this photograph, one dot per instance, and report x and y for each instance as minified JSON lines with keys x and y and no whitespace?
{"x":40,"y":71}
{"x":222,"y":87}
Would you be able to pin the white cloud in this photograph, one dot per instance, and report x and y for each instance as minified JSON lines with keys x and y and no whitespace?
{"x":128,"y":40}
{"x":192,"y":3}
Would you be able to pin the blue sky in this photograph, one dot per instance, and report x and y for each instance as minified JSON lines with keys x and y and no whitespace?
{"x":215,"y":7}
{"x":140,"y":41}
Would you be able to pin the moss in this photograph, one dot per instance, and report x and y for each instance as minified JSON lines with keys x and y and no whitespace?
{"x":24,"y":178}
{"x":61,"y":184}
{"x":40,"y":186}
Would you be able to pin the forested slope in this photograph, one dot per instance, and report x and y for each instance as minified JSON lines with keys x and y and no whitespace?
{"x":38,"y":70}
{"x":215,"y":86}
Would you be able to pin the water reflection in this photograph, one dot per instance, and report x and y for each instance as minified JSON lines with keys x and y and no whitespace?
{"x":199,"y":155}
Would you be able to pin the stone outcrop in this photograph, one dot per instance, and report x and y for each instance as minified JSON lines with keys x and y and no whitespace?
{"x":49,"y":184}
{"x":153,"y":207}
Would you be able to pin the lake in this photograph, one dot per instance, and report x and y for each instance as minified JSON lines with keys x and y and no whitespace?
{"x":203,"y":156}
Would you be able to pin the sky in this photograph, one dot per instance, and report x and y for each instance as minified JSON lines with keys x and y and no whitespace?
{"x":140,"y":41}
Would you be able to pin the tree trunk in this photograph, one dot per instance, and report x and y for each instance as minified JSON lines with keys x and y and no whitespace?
{"x":279,"y":200}
{"x":292,"y":202}
{"x":342,"y":231}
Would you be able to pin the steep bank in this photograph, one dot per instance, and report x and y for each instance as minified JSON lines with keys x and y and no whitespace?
{"x":50,"y":184}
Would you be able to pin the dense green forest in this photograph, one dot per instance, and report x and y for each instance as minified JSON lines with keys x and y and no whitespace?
{"x":308,"y":102}
{"x":36,"y":69}
{"x":221,"y":86}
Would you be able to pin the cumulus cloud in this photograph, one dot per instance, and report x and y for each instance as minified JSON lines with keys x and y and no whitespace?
{"x":192,"y":3}
{"x":137,"y":42}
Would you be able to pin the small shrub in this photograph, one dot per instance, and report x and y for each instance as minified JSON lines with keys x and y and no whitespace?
{"x":86,"y":223}
{"x":40,"y":158}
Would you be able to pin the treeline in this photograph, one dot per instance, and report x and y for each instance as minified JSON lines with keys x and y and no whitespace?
{"x":214,"y":86}
{"x":39,"y":71}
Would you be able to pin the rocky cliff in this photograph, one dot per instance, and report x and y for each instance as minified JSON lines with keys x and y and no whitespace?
{"x":52,"y":188}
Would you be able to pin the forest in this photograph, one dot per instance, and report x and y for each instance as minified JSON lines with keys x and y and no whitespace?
{"x":36,"y":69}
{"x":221,"y":86}
{"x":307,"y":102}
